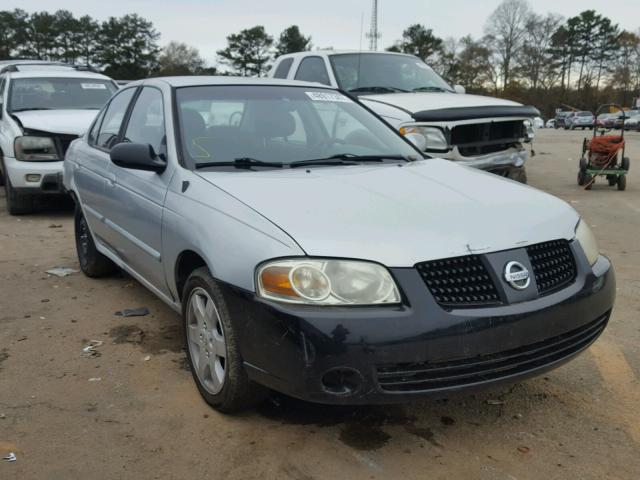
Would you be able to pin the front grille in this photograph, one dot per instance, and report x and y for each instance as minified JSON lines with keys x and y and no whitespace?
{"x":459,"y":282}
{"x":484,"y":138}
{"x":422,"y":377}
{"x":62,"y":143}
{"x":553,"y":265}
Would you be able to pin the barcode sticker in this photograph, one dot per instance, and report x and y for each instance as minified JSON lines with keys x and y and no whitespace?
{"x":93,"y":86}
{"x":327,"y":97}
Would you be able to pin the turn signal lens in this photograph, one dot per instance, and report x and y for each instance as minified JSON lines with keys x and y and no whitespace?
{"x":276,"y":281}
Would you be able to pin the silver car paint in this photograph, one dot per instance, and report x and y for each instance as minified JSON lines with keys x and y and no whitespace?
{"x":394,"y":215}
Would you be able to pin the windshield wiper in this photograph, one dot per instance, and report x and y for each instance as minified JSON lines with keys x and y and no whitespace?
{"x":430,"y":89}
{"x":378,"y":89}
{"x":29,"y":109}
{"x":242,"y":162}
{"x":346,"y":159}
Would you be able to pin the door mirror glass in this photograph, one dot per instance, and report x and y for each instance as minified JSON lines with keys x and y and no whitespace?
{"x":137,"y":156}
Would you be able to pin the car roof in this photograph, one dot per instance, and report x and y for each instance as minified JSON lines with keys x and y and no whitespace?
{"x":192,"y":81}
{"x":58,"y":73}
{"x":328,"y":52}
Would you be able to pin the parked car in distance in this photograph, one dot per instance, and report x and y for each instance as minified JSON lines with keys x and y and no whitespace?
{"x":605,"y":119}
{"x":560,"y":118}
{"x":551,"y":123}
{"x":313,"y":250}
{"x":579,"y":120}
{"x":632,"y":122}
{"x":43,"y":107}
{"x":620,"y":120}
{"x":473,"y":130}
{"x":538,"y":122}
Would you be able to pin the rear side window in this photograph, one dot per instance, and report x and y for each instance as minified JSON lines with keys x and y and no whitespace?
{"x":146,"y":123}
{"x":93,"y":133}
{"x":282,"y":70}
{"x":313,"y":69}
{"x":112,"y":120}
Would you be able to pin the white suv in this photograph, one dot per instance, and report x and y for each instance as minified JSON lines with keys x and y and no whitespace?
{"x":44,"y":106}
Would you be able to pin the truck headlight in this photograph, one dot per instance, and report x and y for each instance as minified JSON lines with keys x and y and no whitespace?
{"x":326,"y":282}
{"x":433,"y":136}
{"x":35,"y":149}
{"x":587,"y":240}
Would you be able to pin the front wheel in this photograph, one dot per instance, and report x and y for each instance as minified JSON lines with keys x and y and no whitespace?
{"x":92,"y":263}
{"x":519,"y":174}
{"x":212,"y":346}
{"x":625,"y":163}
{"x":622,"y":182}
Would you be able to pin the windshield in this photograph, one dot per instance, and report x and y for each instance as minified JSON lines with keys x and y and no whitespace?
{"x":279,"y":125}
{"x":59,"y":93}
{"x":375,"y":72}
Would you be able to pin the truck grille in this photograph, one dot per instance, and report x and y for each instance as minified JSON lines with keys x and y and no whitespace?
{"x":62,"y":143}
{"x":483,"y":138}
{"x":553,"y":265}
{"x":459,"y":282}
{"x":421,"y":377}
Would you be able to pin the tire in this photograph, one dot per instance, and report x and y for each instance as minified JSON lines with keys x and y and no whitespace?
{"x":212,"y":347}
{"x":92,"y":263}
{"x":622,"y":182}
{"x":17,"y":203}
{"x":626,"y":163}
{"x":519,"y":174}
{"x":588,"y":181}
{"x":583,"y":164}
{"x":612,"y":179}
{"x":581,"y":176}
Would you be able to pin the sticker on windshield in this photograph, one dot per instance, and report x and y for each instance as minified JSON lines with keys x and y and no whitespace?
{"x":424,"y":66}
{"x":93,"y":86}
{"x":327,"y":97}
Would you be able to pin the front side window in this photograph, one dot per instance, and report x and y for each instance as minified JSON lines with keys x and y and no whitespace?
{"x":385,"y":73}
{"x":312,"y":69}
{"x":110,"y":126}
{"x":282,"y":70}
{"x":279,"y":125}
{"x":146,"y":124}
{"x":52,"y":93}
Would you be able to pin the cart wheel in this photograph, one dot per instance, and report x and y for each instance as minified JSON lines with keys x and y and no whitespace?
{"x":589,"y":180}
{"x":583,"y":164}
{"x":612,"y":179}
{"x":584,"y":147}
{"x":622,"y":182}
{"x":625,"y":163}
{"x":581,"y":178}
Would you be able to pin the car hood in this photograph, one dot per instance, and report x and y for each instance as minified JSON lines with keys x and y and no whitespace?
{"x":420,"y":101}
{"x":68,"y":122}
{"x":400,"y":216}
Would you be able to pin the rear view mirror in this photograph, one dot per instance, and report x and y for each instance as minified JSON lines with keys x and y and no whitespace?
{"x":137,"y":156}
{"x":459,"y":89}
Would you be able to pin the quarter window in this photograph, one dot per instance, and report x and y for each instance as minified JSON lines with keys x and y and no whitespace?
{"x":282,"y":70}
{"x":312,"y":69}
{"x":146,"y":124}
{"x":112,"y":120}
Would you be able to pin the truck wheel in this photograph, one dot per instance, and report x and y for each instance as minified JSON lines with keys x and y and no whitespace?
{"x":622,"y":182}
{"x":92,"y":263}
{"x":17,"y":203}
{"x":212,"y":348}
{"x":519,"y":174}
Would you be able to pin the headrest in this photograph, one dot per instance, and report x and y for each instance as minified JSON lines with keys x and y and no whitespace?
{"x":274,"y":122}
{"x":193,"y":123}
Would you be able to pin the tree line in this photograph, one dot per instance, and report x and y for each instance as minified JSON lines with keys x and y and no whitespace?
{"x":545,"y":60}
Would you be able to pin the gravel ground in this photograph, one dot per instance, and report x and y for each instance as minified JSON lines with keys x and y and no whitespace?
{"x":132,"y":410}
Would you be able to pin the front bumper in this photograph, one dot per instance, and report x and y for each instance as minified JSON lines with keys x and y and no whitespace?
{"x":368,"y":355}
{"x":49,"y":181}
{"x":512,"y":157}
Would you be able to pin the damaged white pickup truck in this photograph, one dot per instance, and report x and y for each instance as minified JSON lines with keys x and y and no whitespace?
{"x":478,"y":131}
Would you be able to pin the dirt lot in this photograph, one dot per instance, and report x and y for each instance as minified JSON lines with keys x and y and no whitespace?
{"x":134,"y":412}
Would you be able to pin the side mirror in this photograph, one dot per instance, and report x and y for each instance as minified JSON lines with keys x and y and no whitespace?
{"x":459,"y":89}
{"x":417,"y":140}
{"x":137,"y":156}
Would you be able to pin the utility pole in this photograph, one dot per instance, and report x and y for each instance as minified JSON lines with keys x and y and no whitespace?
{"x":374,"y":34}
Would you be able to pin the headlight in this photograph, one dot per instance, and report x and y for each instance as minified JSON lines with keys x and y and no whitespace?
{"x":434,"y":136}
{"x":34,"y":149}
{"x":327,"y":282}
{"x":587,"y":241}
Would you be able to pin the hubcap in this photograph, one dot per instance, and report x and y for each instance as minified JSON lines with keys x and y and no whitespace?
{"x":205,"y":335}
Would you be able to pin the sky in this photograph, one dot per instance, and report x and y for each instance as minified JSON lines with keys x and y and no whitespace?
{"x":205,"y":24}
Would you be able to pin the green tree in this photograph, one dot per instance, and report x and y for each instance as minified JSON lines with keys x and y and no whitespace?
{"x":66,"y":28}
{"x":13,"y":32}
{"x":180,"y":59}
{"x":292,"y":41}
{"x":127,"y":47}
{"x":248,"y":52}
{"x":419,"y":41}
{"x":86,"y":37}
{"x":41,"y":36}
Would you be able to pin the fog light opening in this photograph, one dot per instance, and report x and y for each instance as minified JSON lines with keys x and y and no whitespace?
{"x":342,"y":381}
{"x":33,"y":177}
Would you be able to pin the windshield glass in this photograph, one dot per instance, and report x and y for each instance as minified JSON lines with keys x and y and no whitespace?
{"x":374,"y":72}
{"x":279,"y":125}
{"x":59,"y":93}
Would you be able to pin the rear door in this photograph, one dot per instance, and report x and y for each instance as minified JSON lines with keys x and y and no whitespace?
{"x":138,"y":196}
{"x":92,"y":172}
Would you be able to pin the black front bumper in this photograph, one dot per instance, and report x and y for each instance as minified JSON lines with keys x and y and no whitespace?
{"x":367,"y":355}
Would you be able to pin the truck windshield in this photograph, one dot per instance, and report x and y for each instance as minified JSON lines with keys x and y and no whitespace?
{"x":385,"y":73}
{"x":276,"y":125}
{"x":51,"y":93}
